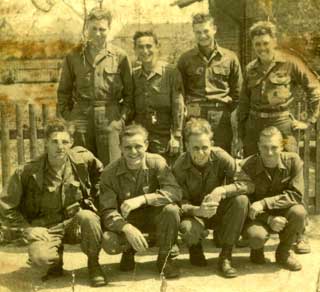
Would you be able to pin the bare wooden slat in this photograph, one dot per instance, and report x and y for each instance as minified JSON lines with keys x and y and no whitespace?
{"x":33,"y":131}
{"x":317,"y":174}
{"x":19,"y":137}
{"x":5,"y":144}
{"x":306,"y":158}
{"x":45,"y":114}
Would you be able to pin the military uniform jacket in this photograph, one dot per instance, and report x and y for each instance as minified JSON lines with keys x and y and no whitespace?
{"x":107,"y":80}
{"x":154,"y":180}
{"x":283,"y":190}
{"x":273,"y":90}
{"x":22,"y":198}
{"x":158,"y":99}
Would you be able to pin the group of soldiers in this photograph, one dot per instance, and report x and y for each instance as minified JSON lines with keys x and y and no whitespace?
{"x":115,"y":167}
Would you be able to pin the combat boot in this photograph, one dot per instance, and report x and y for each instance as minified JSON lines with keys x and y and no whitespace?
{"x":225,"y":263}
{"x":257,"y":256}
{"x":96,"y":276}
{"x":196,"y":255}
{"x":167,"y":267}
{"x":56,"y":269}
{"x":127,"y":262}
{"x":287,"y":260}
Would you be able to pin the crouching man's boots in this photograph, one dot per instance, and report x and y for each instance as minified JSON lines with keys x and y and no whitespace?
{"x":167,"y":267}
{"x":196,"y":255}
{"x":96,"y":276}
{"x":225,"y":263}
{"x":127,"y":262}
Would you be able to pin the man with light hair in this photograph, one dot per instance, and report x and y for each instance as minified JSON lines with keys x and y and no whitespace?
{"x":207,"y":203}
{"x":276,"y":186}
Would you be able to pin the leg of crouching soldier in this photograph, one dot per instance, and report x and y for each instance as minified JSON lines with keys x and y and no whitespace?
{"x":229,"y":222}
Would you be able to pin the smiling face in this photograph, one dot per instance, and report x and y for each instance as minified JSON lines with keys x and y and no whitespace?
{"x":58,"y":145}
{"x":134,"y":150}
{"x":204,"y":33}
{"x":270,"y":149}
{"x":98,"y":31}
{"x":264,"y":46}
{"x":199,"y":147}
{"x":146,"y":49}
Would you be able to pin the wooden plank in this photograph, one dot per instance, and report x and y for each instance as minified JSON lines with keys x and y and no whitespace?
{"x":45,"y":114}
{"x":5,"y":144}
{"x":317,"y":174}
{"x":33,"y":131}
{"x":19,"y":136}
{"x":306,"y":158}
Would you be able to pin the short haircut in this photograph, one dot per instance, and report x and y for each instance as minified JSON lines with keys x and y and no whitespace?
{"x":196,"y":126}
{"x":263,"y":28}
{"x":202,"y":18}
{"x":100,"y":13}
{"x":271,"y":132}
{"x":58,"y":125}
{"x":147,"y":33}
{"x":133,"y":129}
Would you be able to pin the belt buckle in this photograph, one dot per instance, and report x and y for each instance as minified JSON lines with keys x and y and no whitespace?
{"x":193,"y":109}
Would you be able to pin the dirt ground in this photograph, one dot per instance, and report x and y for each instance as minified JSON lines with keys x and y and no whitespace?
{"x":16,"y":275}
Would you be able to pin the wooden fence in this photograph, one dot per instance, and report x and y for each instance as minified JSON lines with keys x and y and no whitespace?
{"x":309,"y":144}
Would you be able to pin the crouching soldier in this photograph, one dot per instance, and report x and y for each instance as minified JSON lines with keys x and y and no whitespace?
{"x":201,"y":171}
{"x":277,"y":187}
{"x":138,"y":192}
{"x":52,"y":198}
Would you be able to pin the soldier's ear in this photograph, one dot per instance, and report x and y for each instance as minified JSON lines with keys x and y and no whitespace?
{"x":71,"y":141}
{"x":146,"y":142}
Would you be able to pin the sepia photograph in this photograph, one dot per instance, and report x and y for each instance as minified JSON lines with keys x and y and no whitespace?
{"x":169,"y":146}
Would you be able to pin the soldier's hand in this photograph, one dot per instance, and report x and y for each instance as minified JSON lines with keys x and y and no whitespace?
{"x":135,"y":237}
{"x":37,"y":233}
{"x":131,"y":204}
{"x":255,"y":209}
{"x":237,"y":148}
{"x":299,"y":125}
{"x":174,"y":145}
{"x":206,"y":209}
{"x":216,"y":195}
{"x":277,"y":223}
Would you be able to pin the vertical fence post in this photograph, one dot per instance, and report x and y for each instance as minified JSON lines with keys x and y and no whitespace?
{"x":317,"y":174}
{"x":5,"y":144}
{"x":45,"y":114}
{"x":306,"y":158}
{"x":33,"y":131}
{"x":19,"y":126}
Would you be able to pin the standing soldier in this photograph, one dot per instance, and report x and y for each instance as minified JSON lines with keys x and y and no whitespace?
{"x":95,"y":89}
{"x":138,"y":193}
{"x":157,"y":95}
{"x":207,"y":203}
{"x":212,"y":80}
{"x":52,"y":198}
{"x":275,"y":182}
{"x":268,"y":90}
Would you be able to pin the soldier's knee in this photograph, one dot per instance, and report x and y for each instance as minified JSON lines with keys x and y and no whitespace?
{"x":172,"y":211}
{"x":297,"y":213}
{"x":87,"y":216}
{"x":257,"y":237}
{"x":241,"y":201}
{"x":111,"y":243}
{"x":42,"y":254}
{"x":191,"y":232}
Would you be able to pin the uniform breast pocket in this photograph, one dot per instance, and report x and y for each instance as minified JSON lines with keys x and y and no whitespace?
{"x":279,"y":87}
{"x":112,"y":80}
{"x":220,"y":72}
{"x":73,"y":192}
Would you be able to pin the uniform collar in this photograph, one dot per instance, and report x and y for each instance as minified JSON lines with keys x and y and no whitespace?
{"x":216,"y":51}
{"x":278,"y":58}
{"x":261,"y":168}
{"x":123,"y":169}
{"x":158,"y":69}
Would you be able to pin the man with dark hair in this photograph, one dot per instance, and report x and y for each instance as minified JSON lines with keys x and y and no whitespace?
{"x":157,"y":95}
{"x":268,"y":92}
{"x":207,"y":203}
{"x":275,"y":185}
{"x":95,"y":89}
{"x":138,"y":193}
{"x":52,"y":198}
{"x":269,"y":89}
{"x":212,"y":80}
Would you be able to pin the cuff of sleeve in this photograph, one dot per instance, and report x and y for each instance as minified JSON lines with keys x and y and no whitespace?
{"x":151,"y":198}
{"x":177,"y":133}
{"x":230,"y":190}
{"x":117,"y":224}
{"x":187,"y":209}
{"x":266,"y":203}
